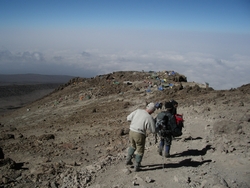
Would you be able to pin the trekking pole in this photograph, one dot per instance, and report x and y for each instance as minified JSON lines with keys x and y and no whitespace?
{"x":163,"y":159}
{"x":163,"y":162}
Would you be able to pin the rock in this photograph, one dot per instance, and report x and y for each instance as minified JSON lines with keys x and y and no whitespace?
{"x":134,"y":183}
{"x":219,"y":186}
{"x":120,"y":132}
{"x":53,"y":184}
{"x":176,"y":179}
{"x":203,"y":184}
{"x":126,"y":131}
{"x":20,"y":135}
{"x":7,"y":136}
{"x":126,"y":171}
{"x":149,"y":180}
{"x":46,"y":137}
{"x":91,"y":168}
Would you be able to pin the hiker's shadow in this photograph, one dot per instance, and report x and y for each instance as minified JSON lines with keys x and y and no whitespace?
{"x":19,"y":166}
{"x":185,"y":162}
{"x":193,"y":152}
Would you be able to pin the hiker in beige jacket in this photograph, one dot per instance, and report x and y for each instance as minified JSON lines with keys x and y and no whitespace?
{"x":141,"y":121}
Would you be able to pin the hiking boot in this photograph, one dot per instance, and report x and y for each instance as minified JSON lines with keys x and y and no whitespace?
{"x":160,"y":152}
{"x":167,"y":155}
{"x":137,"y":168}
{"x":129,"y":162}
{"x":167,"y":151}
{"x":138,"y":159}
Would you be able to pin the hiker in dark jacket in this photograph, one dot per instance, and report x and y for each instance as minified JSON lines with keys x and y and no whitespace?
{"x":175,"y":105}
{"x":166,"y":136}
{"x":141,"y":121}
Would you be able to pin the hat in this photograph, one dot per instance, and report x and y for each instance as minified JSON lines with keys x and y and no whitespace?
{"x":168,"y":105}
{"x":151,"y":106}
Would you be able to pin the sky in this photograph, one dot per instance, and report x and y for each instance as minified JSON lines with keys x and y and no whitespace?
{"x":208,"y":41}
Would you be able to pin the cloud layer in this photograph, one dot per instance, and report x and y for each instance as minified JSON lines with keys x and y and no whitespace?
{"x":220,"y":73}
{"x":220,"y":59}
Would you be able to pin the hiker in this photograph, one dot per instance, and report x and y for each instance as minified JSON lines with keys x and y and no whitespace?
{"x":164,"y":130}
{"x":178,"y":117}
{"x":175,"y":105}
{"x":141,"y":121}
{"x":158,"y":105}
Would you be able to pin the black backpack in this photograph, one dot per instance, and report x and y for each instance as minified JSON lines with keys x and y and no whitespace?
{"x":166,"y":125}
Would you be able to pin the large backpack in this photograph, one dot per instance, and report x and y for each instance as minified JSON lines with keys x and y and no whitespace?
{"x":161,"y":123}
{"x":168,"y":124}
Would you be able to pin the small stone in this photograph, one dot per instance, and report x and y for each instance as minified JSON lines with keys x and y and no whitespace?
{"x":134,"y":183}
{"x":126,"y":171}
{"x":148,"y":180}
{"x":176,"y":179}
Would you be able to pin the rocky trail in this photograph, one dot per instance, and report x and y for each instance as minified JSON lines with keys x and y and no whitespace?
{"x":196,"y":161}
{"x":77,"y":136}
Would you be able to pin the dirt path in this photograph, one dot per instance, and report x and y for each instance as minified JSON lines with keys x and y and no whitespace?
{"x":194,"y":163}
